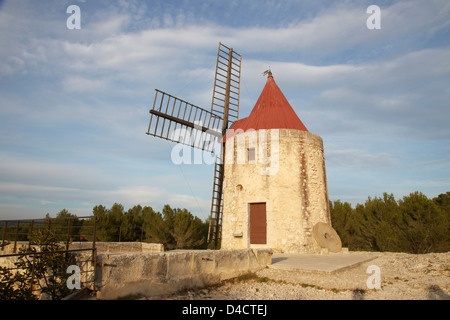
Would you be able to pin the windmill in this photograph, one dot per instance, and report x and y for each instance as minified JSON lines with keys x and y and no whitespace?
{"x":179,"y":121}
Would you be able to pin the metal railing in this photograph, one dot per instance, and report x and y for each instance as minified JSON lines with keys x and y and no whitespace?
{"x":67,"y":230}
{"x":120,"y":233}
{"x":18,"y":238}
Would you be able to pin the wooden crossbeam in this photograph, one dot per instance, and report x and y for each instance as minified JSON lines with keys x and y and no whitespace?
{"x":186,"y":123}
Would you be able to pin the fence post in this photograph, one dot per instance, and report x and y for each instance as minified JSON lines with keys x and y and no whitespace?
{"x":4,"y":235}
{"x":30,"y":233}
{"x":94,"y":239}
{"x":68,"y":236}
{"x":17,"y":234}
{"x":94,"y":253}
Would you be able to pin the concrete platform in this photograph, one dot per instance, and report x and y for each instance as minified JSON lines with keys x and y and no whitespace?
{"x":327,"y":263}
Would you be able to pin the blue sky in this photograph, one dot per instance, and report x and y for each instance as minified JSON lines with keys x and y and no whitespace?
{"x":74,"y":103}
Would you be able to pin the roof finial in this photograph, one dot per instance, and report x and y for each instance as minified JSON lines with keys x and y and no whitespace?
{"x":268,"y":72}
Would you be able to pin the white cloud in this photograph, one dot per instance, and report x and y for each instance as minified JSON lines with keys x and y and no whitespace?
{"x":438,"y":182}
{"x":201,"y":206}
{"x":11,"y":211}
{"x":135,"y":194}
{"x":112,"y":24}
{"x":42,"y":174}
{"x":358,"y":158}
{"x":83,"y":85}
{"x":92,"y":89}
{"x":107,"y":43}
{"x":26,"y":188}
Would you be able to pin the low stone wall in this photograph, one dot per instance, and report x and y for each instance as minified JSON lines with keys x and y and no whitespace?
{"x":124,"y":274}
{"x":84,"y":258}
{"x":9,"y":248}
{"x":120,"y":247}
{"x":102,"y":247}
{"x":125,"y":269}
{"x":8,"y":262}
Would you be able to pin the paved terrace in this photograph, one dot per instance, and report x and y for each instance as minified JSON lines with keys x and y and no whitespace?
{"x":328,"y":263}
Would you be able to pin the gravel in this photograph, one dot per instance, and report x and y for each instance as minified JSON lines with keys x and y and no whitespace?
{"x":403,"y":277}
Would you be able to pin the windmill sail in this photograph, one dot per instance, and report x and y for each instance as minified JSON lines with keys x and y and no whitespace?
{"x":225,"y":102}
{"x":227,"y":84}
{"x":215,"y":220}
{"x":178,"y":121}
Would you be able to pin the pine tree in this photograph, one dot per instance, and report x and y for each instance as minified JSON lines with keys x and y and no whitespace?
{"x":425,"y":225}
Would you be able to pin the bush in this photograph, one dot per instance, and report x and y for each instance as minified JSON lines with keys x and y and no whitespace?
{"x":41,"y":271}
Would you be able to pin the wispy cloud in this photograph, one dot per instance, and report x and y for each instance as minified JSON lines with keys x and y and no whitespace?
{"x":358,"y":158}
{"x":84,"y":85}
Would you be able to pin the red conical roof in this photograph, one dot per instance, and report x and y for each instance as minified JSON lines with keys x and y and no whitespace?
{"x":271,"y":111}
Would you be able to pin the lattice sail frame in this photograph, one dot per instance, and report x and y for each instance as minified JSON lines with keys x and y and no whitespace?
{"x":179,"y":121}
{"x":227,"y":84}
{"x":226,"y":101}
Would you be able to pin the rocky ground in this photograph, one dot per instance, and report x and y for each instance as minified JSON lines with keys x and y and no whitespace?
{"x":403,"y":277}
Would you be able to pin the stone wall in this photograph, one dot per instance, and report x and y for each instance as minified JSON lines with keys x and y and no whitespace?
{"x":125,"y":274}
{"x":152,"y":271}
{"x":113,"y":247}
{"x":288,"y":174}
{"x":102,"y":247}
{"x":84,"y":258}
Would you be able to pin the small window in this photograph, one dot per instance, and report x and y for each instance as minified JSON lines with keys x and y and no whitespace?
{"x":251,"y":154}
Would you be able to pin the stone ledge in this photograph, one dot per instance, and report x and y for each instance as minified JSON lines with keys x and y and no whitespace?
{"x":123,"y":274}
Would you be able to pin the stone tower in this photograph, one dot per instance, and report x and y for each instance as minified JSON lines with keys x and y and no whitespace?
{"x":275,"y":187}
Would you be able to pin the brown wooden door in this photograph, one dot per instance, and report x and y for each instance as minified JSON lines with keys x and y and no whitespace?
{"x":258,"y":224}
